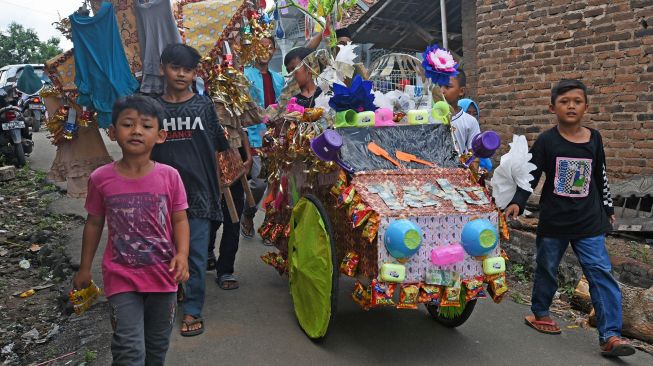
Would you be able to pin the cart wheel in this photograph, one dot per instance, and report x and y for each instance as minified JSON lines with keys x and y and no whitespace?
{"x":456,"y":321}
{"x":312,"y":268}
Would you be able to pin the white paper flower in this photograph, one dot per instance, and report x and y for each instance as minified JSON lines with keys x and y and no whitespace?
{"x":513,"y":171}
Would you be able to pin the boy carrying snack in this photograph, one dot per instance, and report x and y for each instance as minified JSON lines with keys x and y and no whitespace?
{"x":144,"y":204}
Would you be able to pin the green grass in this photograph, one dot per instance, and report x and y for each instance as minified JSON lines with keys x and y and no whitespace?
{"x":89,"y":355}
{"x":519,"y":272}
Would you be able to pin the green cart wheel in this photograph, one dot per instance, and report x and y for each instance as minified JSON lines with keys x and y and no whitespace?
{"x":312,"y":268}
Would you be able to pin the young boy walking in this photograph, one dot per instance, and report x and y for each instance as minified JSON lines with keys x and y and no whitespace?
{"x":466,"y":126}
{"x":293,"y":61}
{"x":194,"y":137}
{"x":144,"y":205}
{"x":575,"y":207}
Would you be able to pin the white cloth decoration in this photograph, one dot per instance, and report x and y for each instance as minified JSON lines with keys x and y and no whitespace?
{"x":382,"y":101}
{"x":513,"y":171}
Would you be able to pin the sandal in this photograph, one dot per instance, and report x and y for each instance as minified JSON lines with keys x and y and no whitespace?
{"x":189,"y":323}
{"x":247,"y":231}
{"x":227,"y":281}
{"x":537,"y":325}
{"x":616,"y":347}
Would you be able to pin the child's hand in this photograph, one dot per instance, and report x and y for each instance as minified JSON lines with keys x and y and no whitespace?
{"x":613,"y":219}
{"x":512,"y":211}
{"x":82,"y":280}
{"x":179,"y":264}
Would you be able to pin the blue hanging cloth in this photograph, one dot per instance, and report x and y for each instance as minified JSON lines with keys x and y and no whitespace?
{"x":102,"y":74}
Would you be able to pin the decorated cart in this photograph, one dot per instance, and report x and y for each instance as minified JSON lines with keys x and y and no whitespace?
{"x":371,"y":185}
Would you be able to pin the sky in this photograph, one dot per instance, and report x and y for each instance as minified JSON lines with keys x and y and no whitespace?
{"x":38,"y":15}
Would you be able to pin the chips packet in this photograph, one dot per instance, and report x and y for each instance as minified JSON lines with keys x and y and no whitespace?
{"x":371,"y":228}
{"x":408,"y":296}
{"x":360,"y":213}
{"x":451,"y":297}
{"x":361,"y":295}
{"x":429,"y":294}
{"x":382,"y":293}
{"x":349,"y":264}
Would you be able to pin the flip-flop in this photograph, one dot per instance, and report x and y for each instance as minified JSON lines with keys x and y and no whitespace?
{"x":223,"y":279}
{"x":535,"y":324}
{"x":245,"y":234}
{"x":189,"y":323}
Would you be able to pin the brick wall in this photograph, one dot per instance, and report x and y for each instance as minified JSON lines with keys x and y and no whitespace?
{"x":524,"y":47}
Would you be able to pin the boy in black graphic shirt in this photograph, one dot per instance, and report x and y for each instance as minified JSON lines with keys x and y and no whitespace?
{"x":194,"y":137}
{"x":576,"y":207}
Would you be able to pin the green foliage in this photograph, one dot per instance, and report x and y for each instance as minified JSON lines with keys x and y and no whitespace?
{"x":519,"y":272}
{"x":641,"y":252}
{"x":89,"y":355}
{"x":20,"y":45}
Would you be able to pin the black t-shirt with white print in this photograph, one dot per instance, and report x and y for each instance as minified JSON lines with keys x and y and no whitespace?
{"x":576,"y":201}
{"x":194,"y":136}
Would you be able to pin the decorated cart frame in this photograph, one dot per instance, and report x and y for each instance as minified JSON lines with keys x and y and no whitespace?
{"x":370,"y":185}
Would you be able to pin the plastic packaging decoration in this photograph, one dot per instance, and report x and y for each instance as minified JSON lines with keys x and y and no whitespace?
{"x":513,"y":171}
{"x":439,"y":65}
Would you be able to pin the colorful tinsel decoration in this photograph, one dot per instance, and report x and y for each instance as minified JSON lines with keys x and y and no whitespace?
{"x":439,"y":65}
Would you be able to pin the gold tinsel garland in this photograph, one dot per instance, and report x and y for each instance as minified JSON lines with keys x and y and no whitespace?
{"x":225,"y":82}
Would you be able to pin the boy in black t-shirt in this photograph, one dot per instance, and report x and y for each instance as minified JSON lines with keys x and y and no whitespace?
{"x":576,"y":207}
{"x":194,"y":137}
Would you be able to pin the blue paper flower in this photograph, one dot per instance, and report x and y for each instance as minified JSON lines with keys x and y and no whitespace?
{"x":359,"y":97}
{"x":439,"y":65}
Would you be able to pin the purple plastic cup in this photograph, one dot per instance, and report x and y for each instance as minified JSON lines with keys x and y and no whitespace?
{"x":326,"y":147}
{"x":485,"y":144}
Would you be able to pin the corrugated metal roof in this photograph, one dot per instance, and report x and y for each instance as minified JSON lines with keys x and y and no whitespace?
{"x":406,"y":24}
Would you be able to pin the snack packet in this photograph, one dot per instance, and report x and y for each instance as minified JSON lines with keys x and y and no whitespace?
{"x":346,"y":196}
{"x":361,"y":295}
{"x":474,"y":287}
{"x":451,"y":297}
{"x":429,"y":294}
{"x":340,"y":184}
{"x":84,"y":298}
{"x":371,"y":228}
{"x":360,"y":213}
{"x":408,"y":296}
{"x":497,"y":287}
{"x":382,"y":293}
{"x":349,"y":264}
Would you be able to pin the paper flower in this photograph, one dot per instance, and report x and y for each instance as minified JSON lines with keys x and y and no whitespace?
{"x":513,"y":171}
{"x":439,"y":65}
{"x":359,"y":97}
{"x":303,"y":3}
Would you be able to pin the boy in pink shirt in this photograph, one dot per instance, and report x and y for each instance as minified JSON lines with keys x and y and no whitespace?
{"x":144,"y":204}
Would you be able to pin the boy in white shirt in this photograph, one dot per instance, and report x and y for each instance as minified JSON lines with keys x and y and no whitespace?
{"x":466,"y":126}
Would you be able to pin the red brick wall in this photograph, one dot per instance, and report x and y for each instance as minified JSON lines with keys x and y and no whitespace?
{"x":524,"y":47}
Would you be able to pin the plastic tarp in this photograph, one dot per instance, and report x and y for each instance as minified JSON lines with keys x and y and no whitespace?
{"x":310,"y":268}
{"x":430,"y":142}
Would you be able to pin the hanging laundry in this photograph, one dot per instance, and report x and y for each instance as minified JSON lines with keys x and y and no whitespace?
{"x":102,"y":74}
{"x":156,"y":30}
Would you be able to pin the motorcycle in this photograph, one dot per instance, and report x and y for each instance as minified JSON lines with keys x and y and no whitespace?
{"x":33,"y":110}
{"x":15,"y":137}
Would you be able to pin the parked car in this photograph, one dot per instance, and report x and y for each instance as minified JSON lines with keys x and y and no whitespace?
{"x":10,"y":73}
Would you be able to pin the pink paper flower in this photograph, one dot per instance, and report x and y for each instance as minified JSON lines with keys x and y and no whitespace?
{"x":303,"y":3}
{"x":441,"y":60}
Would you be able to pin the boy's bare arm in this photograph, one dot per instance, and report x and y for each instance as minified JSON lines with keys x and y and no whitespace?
{"x":181,"y":230}
{"x":90,"y":241}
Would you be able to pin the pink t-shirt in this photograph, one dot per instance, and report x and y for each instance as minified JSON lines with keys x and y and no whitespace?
{"x":138,"y":214}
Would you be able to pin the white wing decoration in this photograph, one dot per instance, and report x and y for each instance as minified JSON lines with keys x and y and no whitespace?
{"x":513,"y":171}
